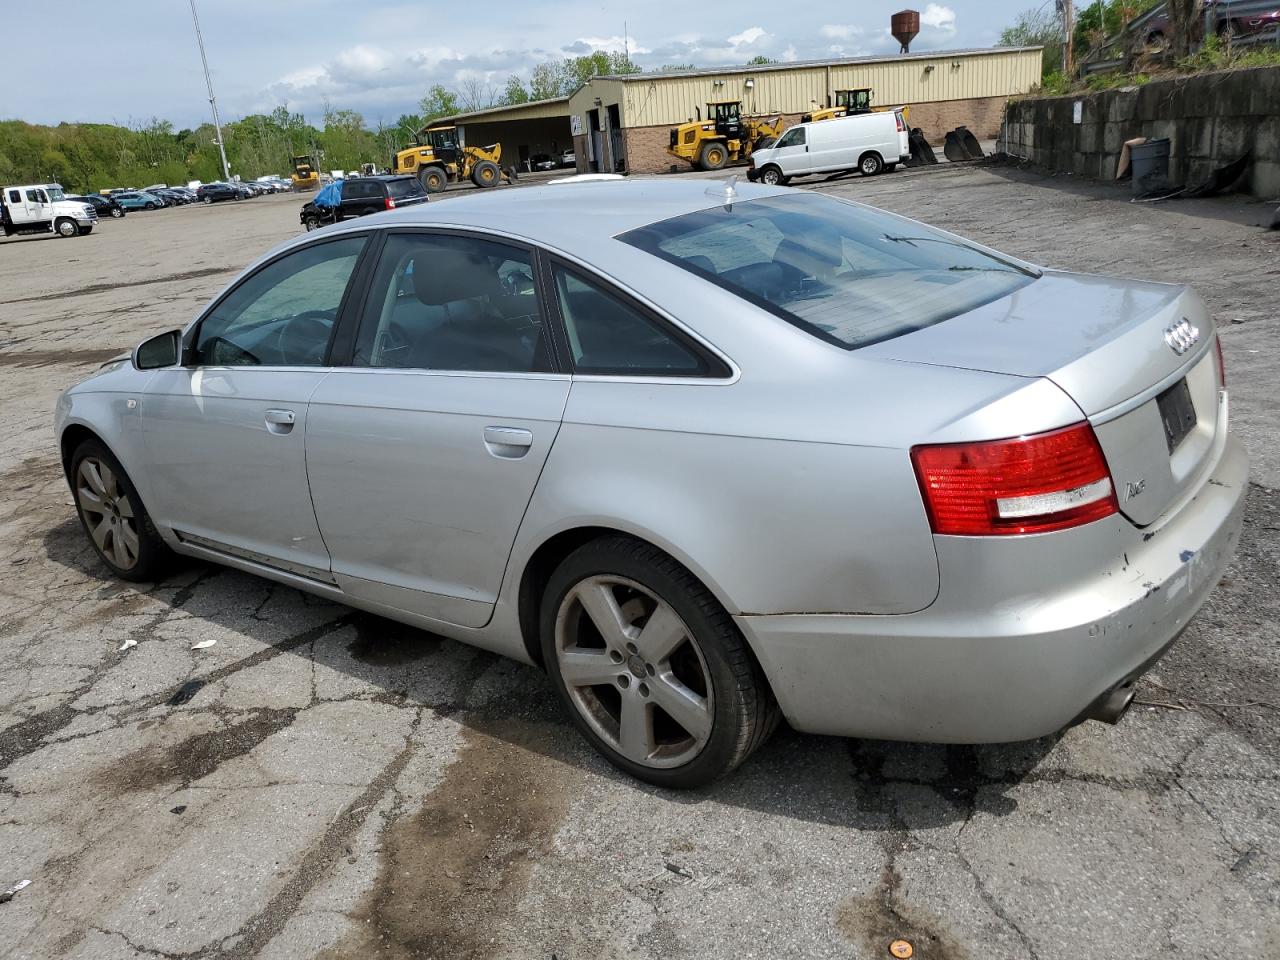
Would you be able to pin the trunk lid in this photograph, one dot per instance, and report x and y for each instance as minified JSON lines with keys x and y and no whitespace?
{"x":1136,"y":357}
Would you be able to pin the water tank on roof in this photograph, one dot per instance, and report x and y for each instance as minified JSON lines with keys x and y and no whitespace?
{"x":904,"y":26}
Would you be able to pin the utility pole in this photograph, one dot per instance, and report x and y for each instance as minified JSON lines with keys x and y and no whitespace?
{"x":217,"y":124}
{"x":1068,"y":39}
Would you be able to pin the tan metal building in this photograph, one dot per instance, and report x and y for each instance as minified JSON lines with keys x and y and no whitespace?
{"x":623,"y":123}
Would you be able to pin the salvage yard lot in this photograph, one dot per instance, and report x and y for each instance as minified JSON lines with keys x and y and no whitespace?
{"x":322,"y":782}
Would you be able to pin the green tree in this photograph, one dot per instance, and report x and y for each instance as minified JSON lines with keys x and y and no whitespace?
{"x":515,"y":91}
{"x":439,"y":102}
{"x":760,"y":58}
{"x":1034,"y":28}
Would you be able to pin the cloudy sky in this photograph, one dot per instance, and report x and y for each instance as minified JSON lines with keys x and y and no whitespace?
{"x":380,"y":56}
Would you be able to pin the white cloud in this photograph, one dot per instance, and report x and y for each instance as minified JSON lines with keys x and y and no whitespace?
{"x":939,"y":17}
{"x":789,"y":55}
{"x":614,"y":44}
{"x":747,"y":37}
{"x":840,"y":31}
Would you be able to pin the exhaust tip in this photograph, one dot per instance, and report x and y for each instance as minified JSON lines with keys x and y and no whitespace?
{"x":1112,"y":705}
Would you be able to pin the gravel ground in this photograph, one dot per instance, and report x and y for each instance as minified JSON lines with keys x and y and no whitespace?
{"x":326,"y":783}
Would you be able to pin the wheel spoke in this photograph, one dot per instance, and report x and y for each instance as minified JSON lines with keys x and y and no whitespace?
{"x":601,"y":606}
{"x":118,"y":550}
{"x":89,"y":470}
{"x":90,"y":501}
{"x":124,"y":507}
{"x":129,"y":536}
{"x":661,"y":635}
{"x":683,"y":705}
{"x":587,"y":668}
{"x":100,"y":533}
{"x":635,"y":728}
{"x":109,"y":481}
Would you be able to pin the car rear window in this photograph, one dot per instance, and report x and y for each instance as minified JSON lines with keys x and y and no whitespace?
{"x":848,"y":274}
{"x":405,"y":187}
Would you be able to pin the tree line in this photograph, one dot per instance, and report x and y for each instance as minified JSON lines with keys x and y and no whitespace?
{"x":93,"y":156}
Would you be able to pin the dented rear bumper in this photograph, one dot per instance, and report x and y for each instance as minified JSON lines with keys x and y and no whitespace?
{"x":1026,"y":633}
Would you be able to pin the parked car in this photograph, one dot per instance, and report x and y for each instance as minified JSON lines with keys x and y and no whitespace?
{"x":185,"y":194}
{"x":36,"y":208}
{"x":246,"y":192}
{"x":707,"y":455}
{"x":102,"y":206}
{"x":1239,"y":19}
{"x":568,"y":159}
{"x":171,"y":196}
{"x":867,"y":142}
{"x":364,"y":195}
{"x":137,"y":200}
{"x":542,"y":161}
{"x":214,"y":192}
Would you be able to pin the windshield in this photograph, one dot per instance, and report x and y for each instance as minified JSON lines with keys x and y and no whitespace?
{"x":848,"y":274}
{"x":56,"y":194}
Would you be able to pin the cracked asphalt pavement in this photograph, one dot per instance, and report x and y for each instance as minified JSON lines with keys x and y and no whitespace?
{"x":324,"y":783}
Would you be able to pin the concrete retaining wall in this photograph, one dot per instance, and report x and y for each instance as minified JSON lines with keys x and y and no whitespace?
{"x":1210,"y":120}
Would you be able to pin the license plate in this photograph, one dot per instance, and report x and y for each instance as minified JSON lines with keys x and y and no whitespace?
{"x":1177,"y":412}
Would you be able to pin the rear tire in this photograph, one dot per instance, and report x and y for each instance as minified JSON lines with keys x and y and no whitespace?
{"x":869,"y":164}
{"x":66,"y":227}
{"x":113,"y":517}
{"x":486,"y":174}
{"x":713,"y":156}
{"x":680,"y":706}
{"x":433,"y":179}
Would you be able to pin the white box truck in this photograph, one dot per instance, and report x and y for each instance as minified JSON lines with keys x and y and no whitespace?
{"x":866,"y":142}
{"x":43,"y":208}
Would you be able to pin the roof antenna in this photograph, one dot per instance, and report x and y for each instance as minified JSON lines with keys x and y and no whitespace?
{"x":725,"y":191}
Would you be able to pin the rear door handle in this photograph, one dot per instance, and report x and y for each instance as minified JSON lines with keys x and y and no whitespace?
{"x":280,"y":421}
{"x":508,"y":443}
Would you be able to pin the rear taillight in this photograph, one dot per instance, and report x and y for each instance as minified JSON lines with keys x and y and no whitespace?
{"x":1222,"y":364}
{"x":391,"y":203}
{"x":1047,"y":481}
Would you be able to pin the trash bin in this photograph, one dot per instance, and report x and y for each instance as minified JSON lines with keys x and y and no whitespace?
{"x":1150,"y":162}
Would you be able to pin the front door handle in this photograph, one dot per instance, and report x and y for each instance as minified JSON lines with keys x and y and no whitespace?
{"x":280,"y":421}
{"x":508,"y":443}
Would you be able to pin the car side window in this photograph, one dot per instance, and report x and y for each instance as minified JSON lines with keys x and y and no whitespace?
{"x":15,"y":196}
{"x":281,"y":316}
{"x":441,"y":302}
{"x":607,"y":335}
{"x":792,"y":138}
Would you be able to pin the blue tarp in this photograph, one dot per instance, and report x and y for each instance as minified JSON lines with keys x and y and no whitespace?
{"x":330,"y":195}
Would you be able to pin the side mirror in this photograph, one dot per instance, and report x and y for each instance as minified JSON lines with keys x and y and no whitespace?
{"x":164,"y":350}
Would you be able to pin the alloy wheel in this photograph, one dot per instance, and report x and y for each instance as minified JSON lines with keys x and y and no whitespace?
{"x":634,"y":671}
{"x":107,"y":512}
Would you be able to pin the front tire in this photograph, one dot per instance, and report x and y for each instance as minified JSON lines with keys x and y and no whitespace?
{"x":113,"y":517}
{"x":311,"y":223}
{"x":870,"y":164}
{"x":208,"y":200}
{"x":150,"y":206}
{"x":486,"y":174}
{"x":66,"y":227}
{"x":651,"y":668}
{"x":117,"y":213}
{"x":772,"y":176}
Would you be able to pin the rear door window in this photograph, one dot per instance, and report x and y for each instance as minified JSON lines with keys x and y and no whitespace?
{"x":847,"y":274}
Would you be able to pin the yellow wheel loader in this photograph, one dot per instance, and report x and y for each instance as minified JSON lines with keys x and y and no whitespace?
{"x":848,"y":103}
{"x":724,"y":137}
{"x":437,"y":160}
{"x":305,"y":176}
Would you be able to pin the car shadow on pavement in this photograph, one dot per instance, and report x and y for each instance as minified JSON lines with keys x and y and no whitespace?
{"x":863,"y":784}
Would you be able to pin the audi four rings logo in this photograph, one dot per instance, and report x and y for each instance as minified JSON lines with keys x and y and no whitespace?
{"x":1182,"y":336}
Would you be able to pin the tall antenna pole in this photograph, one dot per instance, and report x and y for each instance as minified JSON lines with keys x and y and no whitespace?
{"x":217,"y":124}
{"x":626,"y":45}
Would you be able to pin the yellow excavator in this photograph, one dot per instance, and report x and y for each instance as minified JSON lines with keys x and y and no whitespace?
{"x":848,"y":103}
{"x":726,"y":136}
{"x":436,"y":160}
{"x":305,"y":176}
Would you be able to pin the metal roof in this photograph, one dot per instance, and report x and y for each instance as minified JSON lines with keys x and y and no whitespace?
{"x":536,"y":108}
{"x":803,"y":64}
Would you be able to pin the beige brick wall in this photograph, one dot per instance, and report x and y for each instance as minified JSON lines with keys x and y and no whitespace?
{"x":647,"y":146}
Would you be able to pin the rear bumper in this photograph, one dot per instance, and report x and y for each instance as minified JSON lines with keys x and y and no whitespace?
{"x":1026,"y":633}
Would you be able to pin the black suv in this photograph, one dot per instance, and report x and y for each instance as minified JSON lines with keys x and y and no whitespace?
{"x":361,"y":195}
{"x":213,"y":192}
{"x":105,"y":206}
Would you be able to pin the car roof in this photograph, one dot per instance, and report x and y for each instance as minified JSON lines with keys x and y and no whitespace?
{"x":576,"y":217}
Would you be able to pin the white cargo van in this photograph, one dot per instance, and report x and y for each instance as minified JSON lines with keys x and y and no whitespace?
{"x":44,"y":208}
{"x":866,"y":142}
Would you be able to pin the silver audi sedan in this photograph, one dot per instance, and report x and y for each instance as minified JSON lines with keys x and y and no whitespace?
{"x":710,"y":455}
